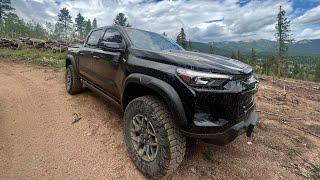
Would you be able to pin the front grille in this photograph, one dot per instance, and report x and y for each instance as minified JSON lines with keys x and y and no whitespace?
{"x":232,"y":105}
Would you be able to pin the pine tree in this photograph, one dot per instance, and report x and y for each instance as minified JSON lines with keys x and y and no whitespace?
{"x":5,"y":9}
{"x":49,"y":28}
{"x":239,"y":57}
{"x":268,"y":64}
{"x":181,"y":39}
{"x":121,"y":20}
{"x":295,"y":70}
{"x":88,"y":26}
{"x":37,"y":31}
{"x":13,"y":26}
{"x":283,"y":37}
{"x":317,"y":75}
{"x":65,"y":20}
{"x":253,"y":56}
{"x":80,"y":25}
{"x":58,"y":30}
{"x":94,"y":23}
{"x":233,"y":56}
{"x":211,"y":50}
{"x":189,"y":45}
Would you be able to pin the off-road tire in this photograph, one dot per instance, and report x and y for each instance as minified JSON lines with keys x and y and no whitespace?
{"x":75,"y":85}
{"x":171,"y":143}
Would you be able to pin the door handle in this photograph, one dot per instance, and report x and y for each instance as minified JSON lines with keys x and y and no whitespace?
{"x":96,"y":57}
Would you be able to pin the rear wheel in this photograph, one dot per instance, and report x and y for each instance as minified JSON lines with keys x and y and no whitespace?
{"x":155,"y":145}
{"x":73,"y":83}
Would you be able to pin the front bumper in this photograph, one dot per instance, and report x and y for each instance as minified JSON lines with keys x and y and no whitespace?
{"x":220,"y":115}
{"x":228,"y":135}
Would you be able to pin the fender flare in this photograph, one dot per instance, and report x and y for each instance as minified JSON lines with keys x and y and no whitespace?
{"x":165,"y":90}
{"x":73,"y":62}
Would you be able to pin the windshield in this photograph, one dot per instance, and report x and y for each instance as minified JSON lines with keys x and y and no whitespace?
{"x":151,"y":41}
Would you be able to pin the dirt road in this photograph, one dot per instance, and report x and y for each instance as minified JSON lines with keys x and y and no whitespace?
{"x":39,"y":141}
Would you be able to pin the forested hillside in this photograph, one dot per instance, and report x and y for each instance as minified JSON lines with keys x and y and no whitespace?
{"x":262,"y":46}
{"x":302,"y":61}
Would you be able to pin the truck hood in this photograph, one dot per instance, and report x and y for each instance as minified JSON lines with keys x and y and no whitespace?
{"x":196,"y":61}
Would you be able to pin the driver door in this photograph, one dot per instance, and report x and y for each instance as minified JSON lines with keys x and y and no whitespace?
{"x":106,"y":64}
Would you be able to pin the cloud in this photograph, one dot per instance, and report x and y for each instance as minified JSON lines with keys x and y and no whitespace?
{"x":309,"y":34}
{"x":36,"y":10}
{"x":256,"y":16}
{"x":203,"y":20}
{"x":310,"y":17}
{"x":235,"y":22}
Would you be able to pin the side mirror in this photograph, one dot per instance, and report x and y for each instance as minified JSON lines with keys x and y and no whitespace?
{"x":111,"y":46}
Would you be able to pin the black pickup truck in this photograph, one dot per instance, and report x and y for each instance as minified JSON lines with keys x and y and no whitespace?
{"x":165,"y":92}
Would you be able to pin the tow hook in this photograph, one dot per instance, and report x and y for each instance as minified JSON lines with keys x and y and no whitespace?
{"x":249,"y":130}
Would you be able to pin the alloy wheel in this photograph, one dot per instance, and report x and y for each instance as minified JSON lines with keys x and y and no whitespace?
{"x":144,"y":138}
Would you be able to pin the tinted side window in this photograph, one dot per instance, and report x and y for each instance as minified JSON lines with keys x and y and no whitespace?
{"x":94,"y":37}
{"x":112,"y":35}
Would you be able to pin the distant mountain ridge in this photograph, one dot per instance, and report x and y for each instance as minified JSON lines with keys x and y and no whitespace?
{"x":262,"y":46}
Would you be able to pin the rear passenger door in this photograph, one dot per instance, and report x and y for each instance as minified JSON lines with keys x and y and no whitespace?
{"x":86,"y":54}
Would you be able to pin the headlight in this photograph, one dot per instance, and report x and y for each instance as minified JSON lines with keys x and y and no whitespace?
{"x":202,"y":78}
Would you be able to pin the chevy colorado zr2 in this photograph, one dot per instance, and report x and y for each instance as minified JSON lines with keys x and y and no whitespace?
{"x":166,"y":93}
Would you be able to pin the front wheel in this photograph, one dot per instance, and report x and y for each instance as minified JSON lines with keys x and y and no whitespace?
{"x":73,"y":83}
{"x":154,"y":144}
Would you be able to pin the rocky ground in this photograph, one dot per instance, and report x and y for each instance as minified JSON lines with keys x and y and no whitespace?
{"x":39,"y":141}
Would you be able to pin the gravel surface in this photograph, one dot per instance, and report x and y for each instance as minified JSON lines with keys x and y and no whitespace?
{"x":47,"y":134}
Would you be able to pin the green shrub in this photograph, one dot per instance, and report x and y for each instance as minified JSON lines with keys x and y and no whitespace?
{"x":318,"y":172}
{"x":41,"y":57}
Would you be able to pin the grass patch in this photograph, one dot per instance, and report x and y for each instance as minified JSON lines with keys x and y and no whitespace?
{"x":318,"y":172}
{"x":40,"y":57}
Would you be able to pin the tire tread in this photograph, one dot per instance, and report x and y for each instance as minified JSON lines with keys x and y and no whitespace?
{"x":76,"y":86}
{"x":177,"y":142}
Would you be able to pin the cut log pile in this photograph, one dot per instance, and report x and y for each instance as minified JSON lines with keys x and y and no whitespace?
{"x":52,"y":45}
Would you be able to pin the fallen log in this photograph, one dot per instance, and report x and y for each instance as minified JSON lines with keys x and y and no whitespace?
{"x":52,"y":45}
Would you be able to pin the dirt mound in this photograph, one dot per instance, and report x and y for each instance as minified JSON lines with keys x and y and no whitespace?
{"x":47,"y":134}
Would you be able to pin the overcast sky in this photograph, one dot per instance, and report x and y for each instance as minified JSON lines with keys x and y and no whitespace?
{"x":203,"y":20}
